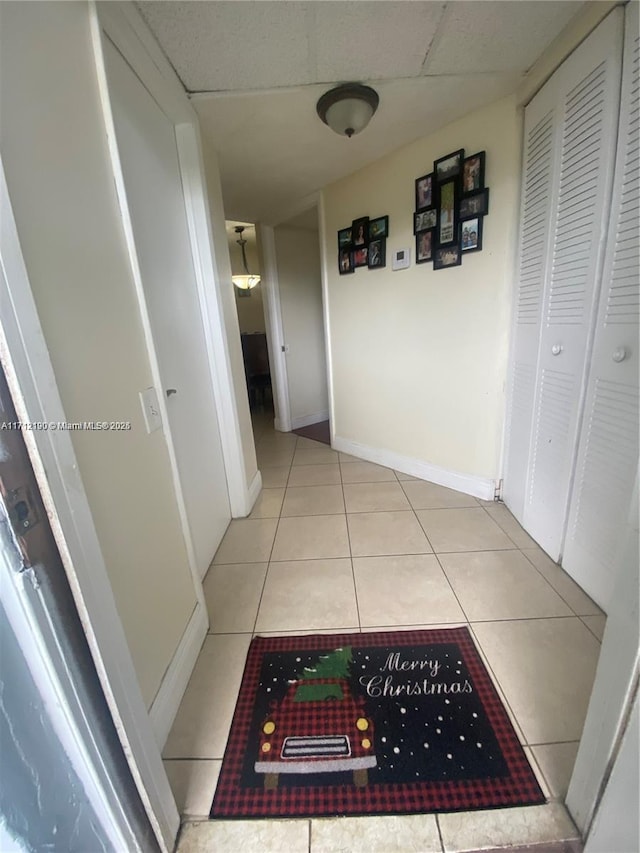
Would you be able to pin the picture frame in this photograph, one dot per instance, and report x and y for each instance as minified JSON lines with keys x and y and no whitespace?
{"x":345,"y":260}
{"x":344,"y":238}
{"x":360,"y":232}
{"x":424,"y":246}
{"x":377,"y":254}
{"x":473,"y":172}
{"x":447,"y":228}
{"x":474,"y":204}
{"x":423,"y":220}
{"x":360,"y":256}
{"x":378,"y":227}
{"x":471,"y":235}
{"x":424,"y":192}
{"x":449,"y":166}
{"x":447,"y":256}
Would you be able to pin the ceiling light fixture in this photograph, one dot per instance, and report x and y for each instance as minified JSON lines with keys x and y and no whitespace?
{"x":348,"y":108}
{"x":247,"y":281}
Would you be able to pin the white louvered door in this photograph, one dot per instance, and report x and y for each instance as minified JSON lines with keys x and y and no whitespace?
{"x":570,"y":132}
{"x":608,"y":451}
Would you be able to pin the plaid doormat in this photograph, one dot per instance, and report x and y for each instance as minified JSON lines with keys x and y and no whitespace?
{"x":395,"y":722}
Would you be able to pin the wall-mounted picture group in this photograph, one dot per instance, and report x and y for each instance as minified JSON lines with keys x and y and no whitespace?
{"x":363,"y":244}
{"x":450,"y":203}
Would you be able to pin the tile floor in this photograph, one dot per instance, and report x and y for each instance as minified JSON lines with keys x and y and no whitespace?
{"x":338,"y":544}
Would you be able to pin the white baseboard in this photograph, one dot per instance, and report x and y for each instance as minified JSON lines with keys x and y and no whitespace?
{"x":254,"y":490}
{"x":165,"y":706}
{"x":478,"y":487}
{"x":307,"y":420}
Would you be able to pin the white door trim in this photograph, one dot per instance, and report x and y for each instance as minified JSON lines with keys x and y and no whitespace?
{"x":275,"y":333}
{"x":35,"y":393}
{"x":324,"y":273}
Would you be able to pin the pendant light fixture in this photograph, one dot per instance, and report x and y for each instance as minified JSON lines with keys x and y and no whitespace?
{"x":246,"y":281}
{"x":348,"y":108}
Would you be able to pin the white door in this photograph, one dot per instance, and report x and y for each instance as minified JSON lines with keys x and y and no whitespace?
{"x":149,"y":156}
{"x":570,"y":134}
{"x":608,"y":451}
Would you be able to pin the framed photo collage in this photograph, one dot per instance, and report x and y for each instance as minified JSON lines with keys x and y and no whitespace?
{"x":363,"y":244}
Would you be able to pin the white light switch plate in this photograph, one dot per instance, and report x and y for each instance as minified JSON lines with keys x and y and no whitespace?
{"x":401,"y":259}
{"x":150,"y":409}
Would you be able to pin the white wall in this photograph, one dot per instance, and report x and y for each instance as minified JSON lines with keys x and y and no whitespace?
{"x":419,"y":356}
{"x":58,"y":171}
{"x":300,"y":286}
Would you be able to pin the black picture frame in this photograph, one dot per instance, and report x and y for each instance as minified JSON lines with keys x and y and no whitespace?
{"x":360,"y":232}
{"x":424,"y":254}
{"x":472,"y":177}
{"x":423,"y":220}
{"x":471,"y":241}
{"x":345,"y":260}
{"x":424,"y":192}
{"x":378,"y":227}
{"x":475,"y":204}
{"x":360,"y":256}
{"x":447,"y":256}
{"x":447,"y":227}
{"x":377,"y":254}
{"x":449,"y":166}
{"x":344,"y":238}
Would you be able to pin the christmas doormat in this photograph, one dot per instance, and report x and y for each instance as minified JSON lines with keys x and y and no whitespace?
{"x":359,"y":724}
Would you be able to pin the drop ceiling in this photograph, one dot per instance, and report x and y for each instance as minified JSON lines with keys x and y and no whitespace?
{"x":256,"y":69}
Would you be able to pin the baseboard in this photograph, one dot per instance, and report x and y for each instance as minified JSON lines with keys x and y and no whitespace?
{"x":165,"y":706}
{"x":307,"y":420}
{"x":478,"y":487}
{"x":254,"y":490}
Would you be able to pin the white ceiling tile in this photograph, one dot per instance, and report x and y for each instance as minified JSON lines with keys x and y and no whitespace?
{"x":493,"y":36}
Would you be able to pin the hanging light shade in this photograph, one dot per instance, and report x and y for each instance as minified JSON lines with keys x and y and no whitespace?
{"x":246,"y":281}
{"x":348,"y":108}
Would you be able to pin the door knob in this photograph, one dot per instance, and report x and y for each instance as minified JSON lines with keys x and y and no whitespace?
{"x":556,"y":349}
{"x":619,"y":355}
{"x":171,"y":391}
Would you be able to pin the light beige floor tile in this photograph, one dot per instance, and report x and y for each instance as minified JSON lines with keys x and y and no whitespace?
{"x":387,"y":834}
{"x":494,"y":828}
{"x":247,"y":540}
{"x":232,"y":593}
{"x":274,"y":478}
{"x":313,"y":500}
{"x":501,"y":515}
{"x":407,"y":477}
{"x":462,"y":530}
{"x":403,"y":590}
{"x":596,"y":624}
{"x":308,"y":594}
{"x":269,"y":504}
{"x":546,"y":668}
{"x":373,"y":497}
{"x":311,"y":537}
{"x":309,"y":444}
{"x":556,"y":761}
{"x":423,"y":495}
{"x":366,"y":472}
{"x":564,"y":585}
{"x":369,"y":629}
{"x":322,"y":456}
{"x":249,"y":836}
{"x":346,"y":457}
{"x":198,"y":730}
{"x":375,"y":534}
{"x":533,"y":764}
{"x":500,"y":585}
{"x":193,"y":784}
{"x":274,"y":457}
{"x":298,"y":632}
{"x":315,"y":475}
{"x":277,"y":441}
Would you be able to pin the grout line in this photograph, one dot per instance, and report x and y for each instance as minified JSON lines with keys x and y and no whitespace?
{"x":439,"y":833}
{"x":353,"y":572}
{"x":572,"y":609}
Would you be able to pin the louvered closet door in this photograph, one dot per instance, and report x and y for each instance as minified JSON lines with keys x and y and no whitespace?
{"x":608,"y":452}
{"x":585,"y":94}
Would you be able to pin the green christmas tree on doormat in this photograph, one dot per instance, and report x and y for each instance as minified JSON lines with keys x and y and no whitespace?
{"x":334,"y":665}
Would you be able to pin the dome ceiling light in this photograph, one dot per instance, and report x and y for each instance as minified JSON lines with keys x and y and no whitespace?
{"x":348,"y":108}
{"x":247,"y":281}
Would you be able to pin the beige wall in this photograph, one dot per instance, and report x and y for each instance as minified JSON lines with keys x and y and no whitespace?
{"x":419,"y":356}
{"x":55,"y":155}
{"x":300,"y":286}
